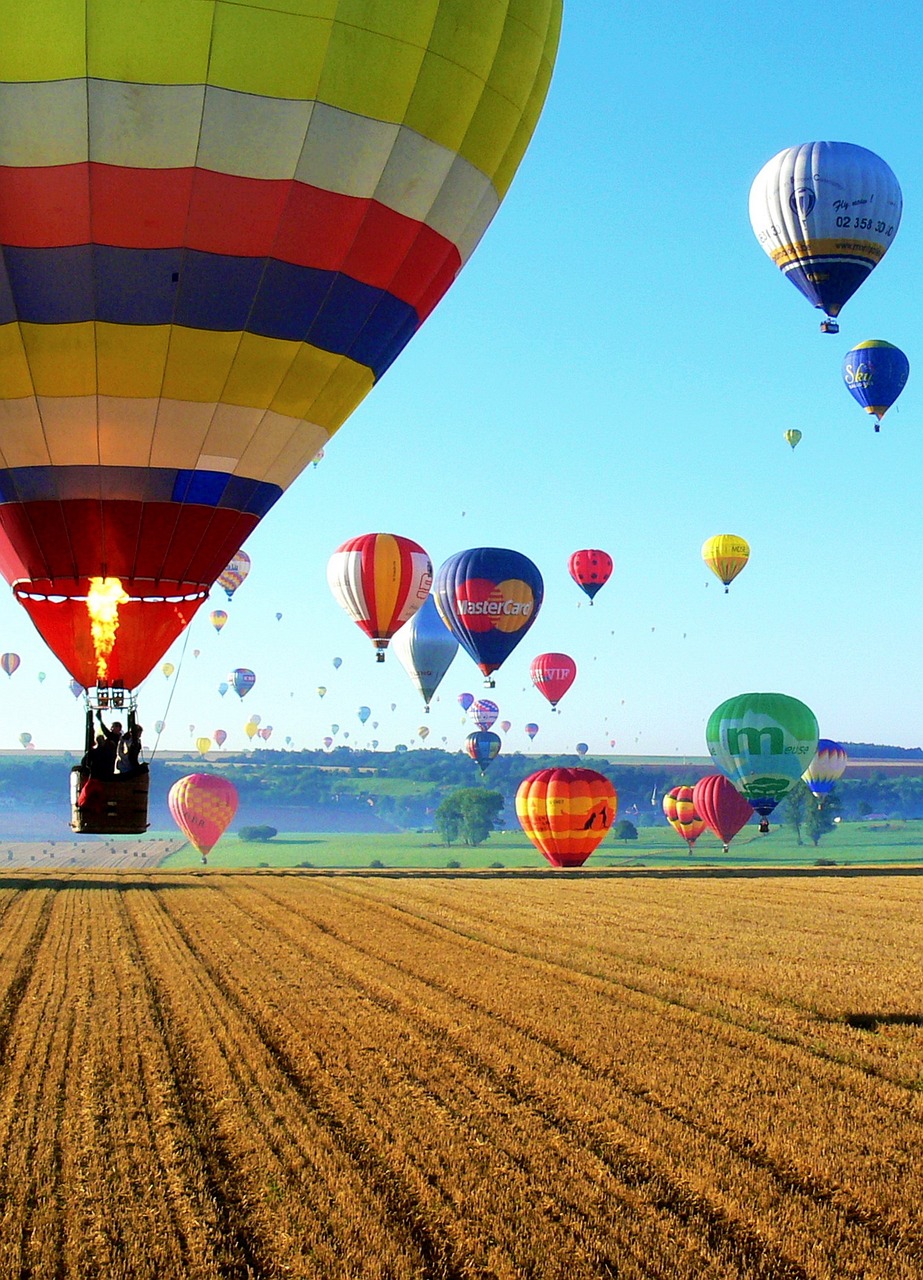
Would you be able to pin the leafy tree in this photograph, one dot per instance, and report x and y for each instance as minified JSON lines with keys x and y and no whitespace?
{"x":796,"y":808}
{"x":819,"y":821}
{"x":625,"y":830}
{"x":257,"y":834}
{"x":470,"y":813}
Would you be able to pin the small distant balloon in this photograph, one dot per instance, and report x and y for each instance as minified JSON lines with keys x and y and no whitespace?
{"x":321,"y":690}
{"x":218,"y":618}
{"x":875,"y":374}
{"x":223,"y":687}
{"x":334,"y":729}
{"x":241,"y":680}
{"x":337,"y":663}
{"x":328,"y":742}
{"x":203,"y":745}
{"x":25,"y":738}
{"x":251,"y":729}
{"x":726,"y":555}
{"x":423,"y":732}
{"x":591,"y":570}
{"x":484,"y":713}
{"x":41,"y":677}
{"x":465,"y":700}
{"x":482,"y":747}
{"x":505,"y":726}
{"x":793,"y":435}
{"x":235,"y":573}
{"x":196,"y":652}
{"x":159,"y":726}
{"x":9,"y":662}
{"x":220,"y":737}
{"x":278,"y":617}
{"x":581,"y":749}
{"x":531,"y":730}
{"x":168,"y":669}
{"x":363,"y":713}
{"x":76,"y":688}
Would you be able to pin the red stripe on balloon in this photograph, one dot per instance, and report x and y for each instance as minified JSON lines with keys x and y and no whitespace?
{"x":64,"y":205}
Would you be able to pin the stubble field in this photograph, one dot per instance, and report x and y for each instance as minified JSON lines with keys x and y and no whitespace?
{"x":351,"y":1075}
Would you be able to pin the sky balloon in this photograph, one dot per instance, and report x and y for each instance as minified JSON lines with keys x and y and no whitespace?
{"x":230,"y":222}
{"x":484,"y":713}
{"x":241,"y":680}
{"x":380,"y":580}
{"x":425,"y":648}
{"x":724,"y":810}
{"x":875,"y":374}
{"x":762,"y":742}
{"x":826,"y":213}
{"x":203,"y":806}
{"x":553,"y":674}
{"x":726,"y":555}
{"x":792,"y":436}
{"x":488,"y":597}
{"x":826,"y":769}
{"x":483,"y":746}
{"x":591,"y":570}
{"x":9,"y":662}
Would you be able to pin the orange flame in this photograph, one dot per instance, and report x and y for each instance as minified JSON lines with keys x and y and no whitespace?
{"x":103,"y":600}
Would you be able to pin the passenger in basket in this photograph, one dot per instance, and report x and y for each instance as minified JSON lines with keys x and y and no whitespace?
{"x":128,"y":760}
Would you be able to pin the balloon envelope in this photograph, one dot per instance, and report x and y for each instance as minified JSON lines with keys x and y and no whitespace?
{"x":241,"y":680}
{"x":482,"y":746}
{"x":222,"y":224}
{"x":234,"y":573}
{"x":566,"y":812}
{"x":425,"y":648}
{"x":9,"y":662}
{"x":553,"y":674}
{"x":363,"y":713}
{"x":203,"y":745}
{"x":826,"y":213}
{"x":488,"y":597}
{"x":792,"y":436}
{"x":581,"y":749}
{"x":826,"y":768}
{"x":762,"y":742}
{"x":465,"y":699}
{"x":381,"y":580}
{"x":680,"y":811}
{"x":875,"y":374}
{"x":220,"y":737}
{"x":218,"y":618}
{"x":591,"y":569}
{"x":724,"y":810}
{"x":531,"y":730}
{"x":484,"y":713}
{"x":726,"y":554}
{"x":202,"y":805}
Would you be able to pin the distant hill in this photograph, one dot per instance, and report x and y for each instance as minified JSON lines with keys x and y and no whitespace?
{"x":872,"y":751}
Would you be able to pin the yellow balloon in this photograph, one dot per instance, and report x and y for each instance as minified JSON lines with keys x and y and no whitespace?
{"x":726,"y":554}
{"x":168,"y":669}
{"x":251,"y":729}
{"x":203,"y":745}
{"x":793,"y":435}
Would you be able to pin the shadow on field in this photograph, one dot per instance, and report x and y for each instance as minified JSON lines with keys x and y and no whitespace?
{"x":872,"y":1021}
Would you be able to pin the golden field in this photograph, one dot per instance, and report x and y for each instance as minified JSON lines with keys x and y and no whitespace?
{"x":460,"y":1076}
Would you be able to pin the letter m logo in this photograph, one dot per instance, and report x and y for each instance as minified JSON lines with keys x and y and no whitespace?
{"x":754,"y":741}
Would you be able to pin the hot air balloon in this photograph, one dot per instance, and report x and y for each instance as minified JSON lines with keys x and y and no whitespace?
{"x":220,"y":737}
{"x":875,"y":374}
{"x":321,"y":690}
{"x":334,"y":729}
{"x":724,"y":810}
{"x":191,"y":730}
{"x":591,"y":570}
{"x":266,"y":733}
{"x":9,"y":662}
{"x":257,"y":720}
{"x":425,"y":649}
{"x":278,"y":617}
{"x":337,"y":663}
{"x":158,"y":726}
{"x":792,"y":436}
{"x":482,"y":747}
{"x":218,"y":618}
{"x":318,"y":457}
{"x":826,"y":213}
{"x":484,"y":713}
{"x":505,"y":726}
{"x":202,"y":806}
{"x":241,"y":680}
{"x":363,"y":713}
{"x":566,"y":812}
{"x":374,"y":744}
{"x":223,"y":688}
{"x":381,"y":580}
{"x":726,"y":554}
{"x":345,"y":733}
{"x":553,"y":674}
{"x":328,"y":742}
{"x":203,"y":745}
{"x":825,"y":769}
{"x":531,"y":730}
{"x":465,"y":700}
{"x":168,"y":669}
{"x":234,"y":573}
{"x":679,"y":809}
{"x":762,"y":742}
{"x":423,"y":732}
{"x":41,"y":677}
{"x":221,"y":225}
{"x":25,"y":738}
{"x":488,"y":598}
{"x":581,"y":749}
{"x":251,"y":729}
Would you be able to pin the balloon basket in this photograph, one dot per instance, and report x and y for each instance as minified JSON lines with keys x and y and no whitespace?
{"x":829,"y":326}
{"x":121,"y":808}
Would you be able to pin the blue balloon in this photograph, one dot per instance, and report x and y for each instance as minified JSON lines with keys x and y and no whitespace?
{"x":488,"y":598}
{"x":875,"y":374}
{"x":482,"y":746}
{"x":241,"y":681}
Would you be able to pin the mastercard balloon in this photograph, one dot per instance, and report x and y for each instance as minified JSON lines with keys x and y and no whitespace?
{"x":488,"y":597}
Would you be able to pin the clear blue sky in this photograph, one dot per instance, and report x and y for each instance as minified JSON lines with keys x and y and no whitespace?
{"x":615,"y":367}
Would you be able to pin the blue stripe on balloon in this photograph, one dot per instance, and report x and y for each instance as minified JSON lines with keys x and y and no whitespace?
{"x":138,"y":484}
{"x":274,"y":299}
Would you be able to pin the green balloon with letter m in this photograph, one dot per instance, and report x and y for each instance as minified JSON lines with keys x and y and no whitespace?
{"x":763,"y":742}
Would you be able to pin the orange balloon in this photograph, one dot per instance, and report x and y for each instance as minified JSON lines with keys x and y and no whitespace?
{"x":566,"y":812}
{"x":202,"y":806}
{"x":680,"y":812}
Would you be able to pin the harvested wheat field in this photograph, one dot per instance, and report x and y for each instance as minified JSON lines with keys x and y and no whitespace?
{"x":325,"y":1076}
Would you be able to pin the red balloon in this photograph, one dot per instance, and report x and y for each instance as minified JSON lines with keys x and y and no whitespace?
{"x":723,"y":808}
{"x":591,"y":570}
{"x":553,"y":674}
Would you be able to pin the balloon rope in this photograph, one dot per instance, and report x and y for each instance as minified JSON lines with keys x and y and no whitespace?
{"x":166,"y":710}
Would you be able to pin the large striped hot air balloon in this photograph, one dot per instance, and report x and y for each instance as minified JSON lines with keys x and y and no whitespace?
{"x":566,"y":812}
{"x":221,"y":223}
{"x":381,"y":580}
{"x":679,"y":810}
